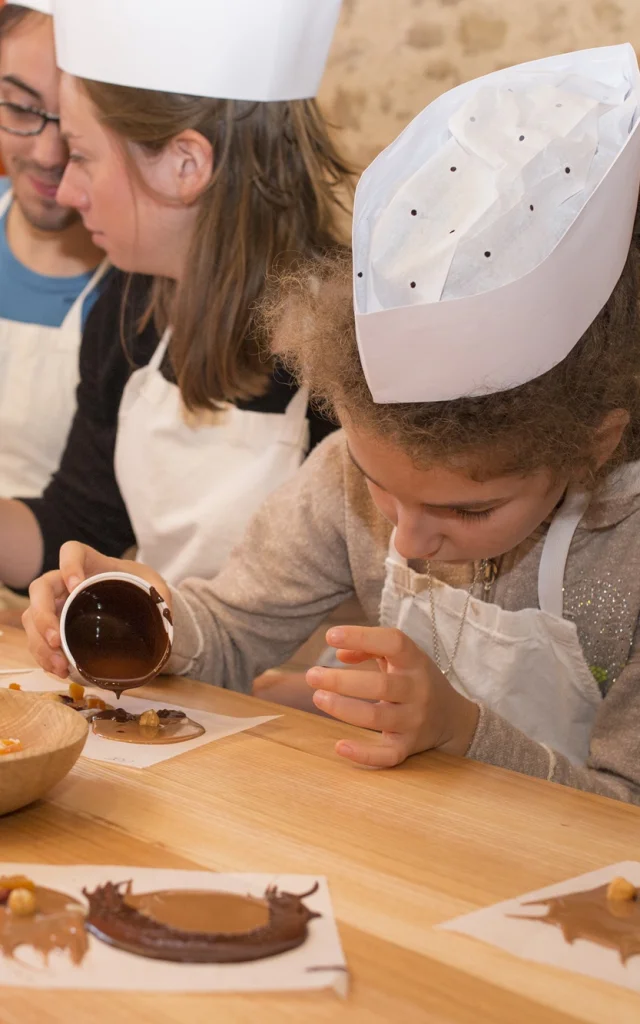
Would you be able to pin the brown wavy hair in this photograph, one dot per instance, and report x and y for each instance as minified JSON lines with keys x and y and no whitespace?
{"x":278,"y":191}
{"x":550,"y":422}
{"x":11,"y":15}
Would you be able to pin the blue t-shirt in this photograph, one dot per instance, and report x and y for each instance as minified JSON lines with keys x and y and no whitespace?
{"x":34,"y":298}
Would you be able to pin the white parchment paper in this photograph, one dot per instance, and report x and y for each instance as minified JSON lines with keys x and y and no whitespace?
{"x":137,"y":755}
{"x":545,"y":944}
{"x":318,"y":964}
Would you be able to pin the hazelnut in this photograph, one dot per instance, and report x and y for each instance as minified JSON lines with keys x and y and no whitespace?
{"x":621,"y":890}
{"x":149,"y":719}
{"x":10,"y":746}
{"x":22,"y":902}
{"x":76,"y":691}
{"x":15,"y":686}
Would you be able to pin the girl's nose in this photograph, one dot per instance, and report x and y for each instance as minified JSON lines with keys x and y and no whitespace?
{"x":417,"y":536}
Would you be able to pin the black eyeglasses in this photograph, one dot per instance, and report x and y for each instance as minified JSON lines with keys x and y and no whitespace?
{"x":25,"y":121}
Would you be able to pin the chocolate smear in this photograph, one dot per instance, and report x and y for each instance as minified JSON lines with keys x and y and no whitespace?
{"x":198,"y":926}
{"x":173,"y":727}
{"x":592,"y":916}
{"x":58,"y":923}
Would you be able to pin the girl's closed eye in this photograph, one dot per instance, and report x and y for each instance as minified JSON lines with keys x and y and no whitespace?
{"x":77,"y":158}
{"x":468,"y":514}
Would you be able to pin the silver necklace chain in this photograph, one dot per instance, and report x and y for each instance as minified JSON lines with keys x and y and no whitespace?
{"x":488,"y":569}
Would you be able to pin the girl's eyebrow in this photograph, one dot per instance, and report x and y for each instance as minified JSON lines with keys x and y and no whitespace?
{"x":454,"y":506}
{"x":361,"y":470}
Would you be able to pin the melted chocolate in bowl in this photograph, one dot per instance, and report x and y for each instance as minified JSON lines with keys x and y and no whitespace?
{"x":115,"y":633}
{"x":57,"y":924}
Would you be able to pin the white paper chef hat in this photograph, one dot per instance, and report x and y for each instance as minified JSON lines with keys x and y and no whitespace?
{"x":44,"y":6}
{"x":230,"y":49}
{"x":490,"y":234}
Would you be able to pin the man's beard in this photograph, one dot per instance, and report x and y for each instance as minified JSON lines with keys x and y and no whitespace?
{"x":41,"y":213}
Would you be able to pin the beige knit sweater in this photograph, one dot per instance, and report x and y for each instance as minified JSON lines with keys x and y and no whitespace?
{"x":320,"y":540}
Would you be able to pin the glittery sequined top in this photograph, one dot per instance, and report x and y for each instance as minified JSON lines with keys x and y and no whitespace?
{"x":320,"y":540}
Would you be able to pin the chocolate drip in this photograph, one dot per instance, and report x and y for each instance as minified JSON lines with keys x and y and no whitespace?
{"x":590,"y":915}
{"x":116,"y":917}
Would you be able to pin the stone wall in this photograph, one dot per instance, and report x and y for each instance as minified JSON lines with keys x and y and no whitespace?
{"x":392,"y":57}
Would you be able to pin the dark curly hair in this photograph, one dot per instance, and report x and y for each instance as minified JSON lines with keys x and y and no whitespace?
{"x":549,"y":422}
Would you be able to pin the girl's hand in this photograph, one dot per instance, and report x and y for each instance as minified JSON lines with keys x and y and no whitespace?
{"x":49,"y":593}
{"x":415,"y":707}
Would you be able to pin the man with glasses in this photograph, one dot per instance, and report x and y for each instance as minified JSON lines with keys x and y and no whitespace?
{"x":49,"y":267}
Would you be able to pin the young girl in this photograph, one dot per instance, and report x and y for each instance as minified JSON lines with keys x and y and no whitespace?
{"x":199,"y":158}
{"x":484,"y":496}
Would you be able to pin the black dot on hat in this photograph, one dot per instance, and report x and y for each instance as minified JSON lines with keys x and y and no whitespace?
{"x":414,"y":213}
{"x":531,"y":207}
{"x":454,"y":168}
{"x":359,"y":273}
{"x":487,"y":254}
{"x":413,"y":284}
{"x":472,"y":118}
{"x":521,"y":139}
{"x":453,"y":231}
{"x":558,"y":104}
{"x":567,"y":170}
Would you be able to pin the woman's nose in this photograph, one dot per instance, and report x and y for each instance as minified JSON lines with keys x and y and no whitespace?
{"x":69,"y":194}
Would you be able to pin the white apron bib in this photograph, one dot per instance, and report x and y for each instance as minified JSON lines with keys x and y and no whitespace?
{"x":39,"y":375}
{"x":191,"y":490}
{"x":527,"y":665}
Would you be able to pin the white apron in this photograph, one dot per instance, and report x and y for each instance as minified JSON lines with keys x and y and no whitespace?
{"x":527,"y":665}
{"x":39,"y":374}
{"x":191,"y":490}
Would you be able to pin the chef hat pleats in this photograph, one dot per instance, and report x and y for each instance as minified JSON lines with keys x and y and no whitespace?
{"x":491,"y":233}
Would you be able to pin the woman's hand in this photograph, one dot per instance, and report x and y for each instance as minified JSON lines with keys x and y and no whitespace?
{"x":49,"y":593}
{"x":415,"y":707}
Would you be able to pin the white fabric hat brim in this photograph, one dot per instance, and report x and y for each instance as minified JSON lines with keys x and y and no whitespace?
{"x":261,"y":50}
{"x":43,"y":6}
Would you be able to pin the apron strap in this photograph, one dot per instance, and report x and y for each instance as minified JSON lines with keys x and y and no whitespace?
{"x":75,"y":313}
{"x":297,"y":408}
{"x":556,"y":550}
{"x":5,"y":201}
{"x":161,"y":350}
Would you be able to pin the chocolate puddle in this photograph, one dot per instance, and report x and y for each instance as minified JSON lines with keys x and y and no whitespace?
{"x":174,"y":727}
{"x":58,"y":923}
{"x":589,"y":915}
{"x":198,"y":926}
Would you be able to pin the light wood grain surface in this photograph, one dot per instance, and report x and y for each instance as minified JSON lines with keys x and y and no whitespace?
{"x":403,"y":850}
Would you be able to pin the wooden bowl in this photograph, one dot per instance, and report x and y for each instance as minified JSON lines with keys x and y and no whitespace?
{"x":52,"y":738}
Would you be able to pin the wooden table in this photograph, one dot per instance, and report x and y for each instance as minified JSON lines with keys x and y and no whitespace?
{"x":403,"y":850}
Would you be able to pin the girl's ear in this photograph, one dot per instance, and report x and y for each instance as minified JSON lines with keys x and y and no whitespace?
{"x":191,"y":160}
{"x":609,"y":434}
